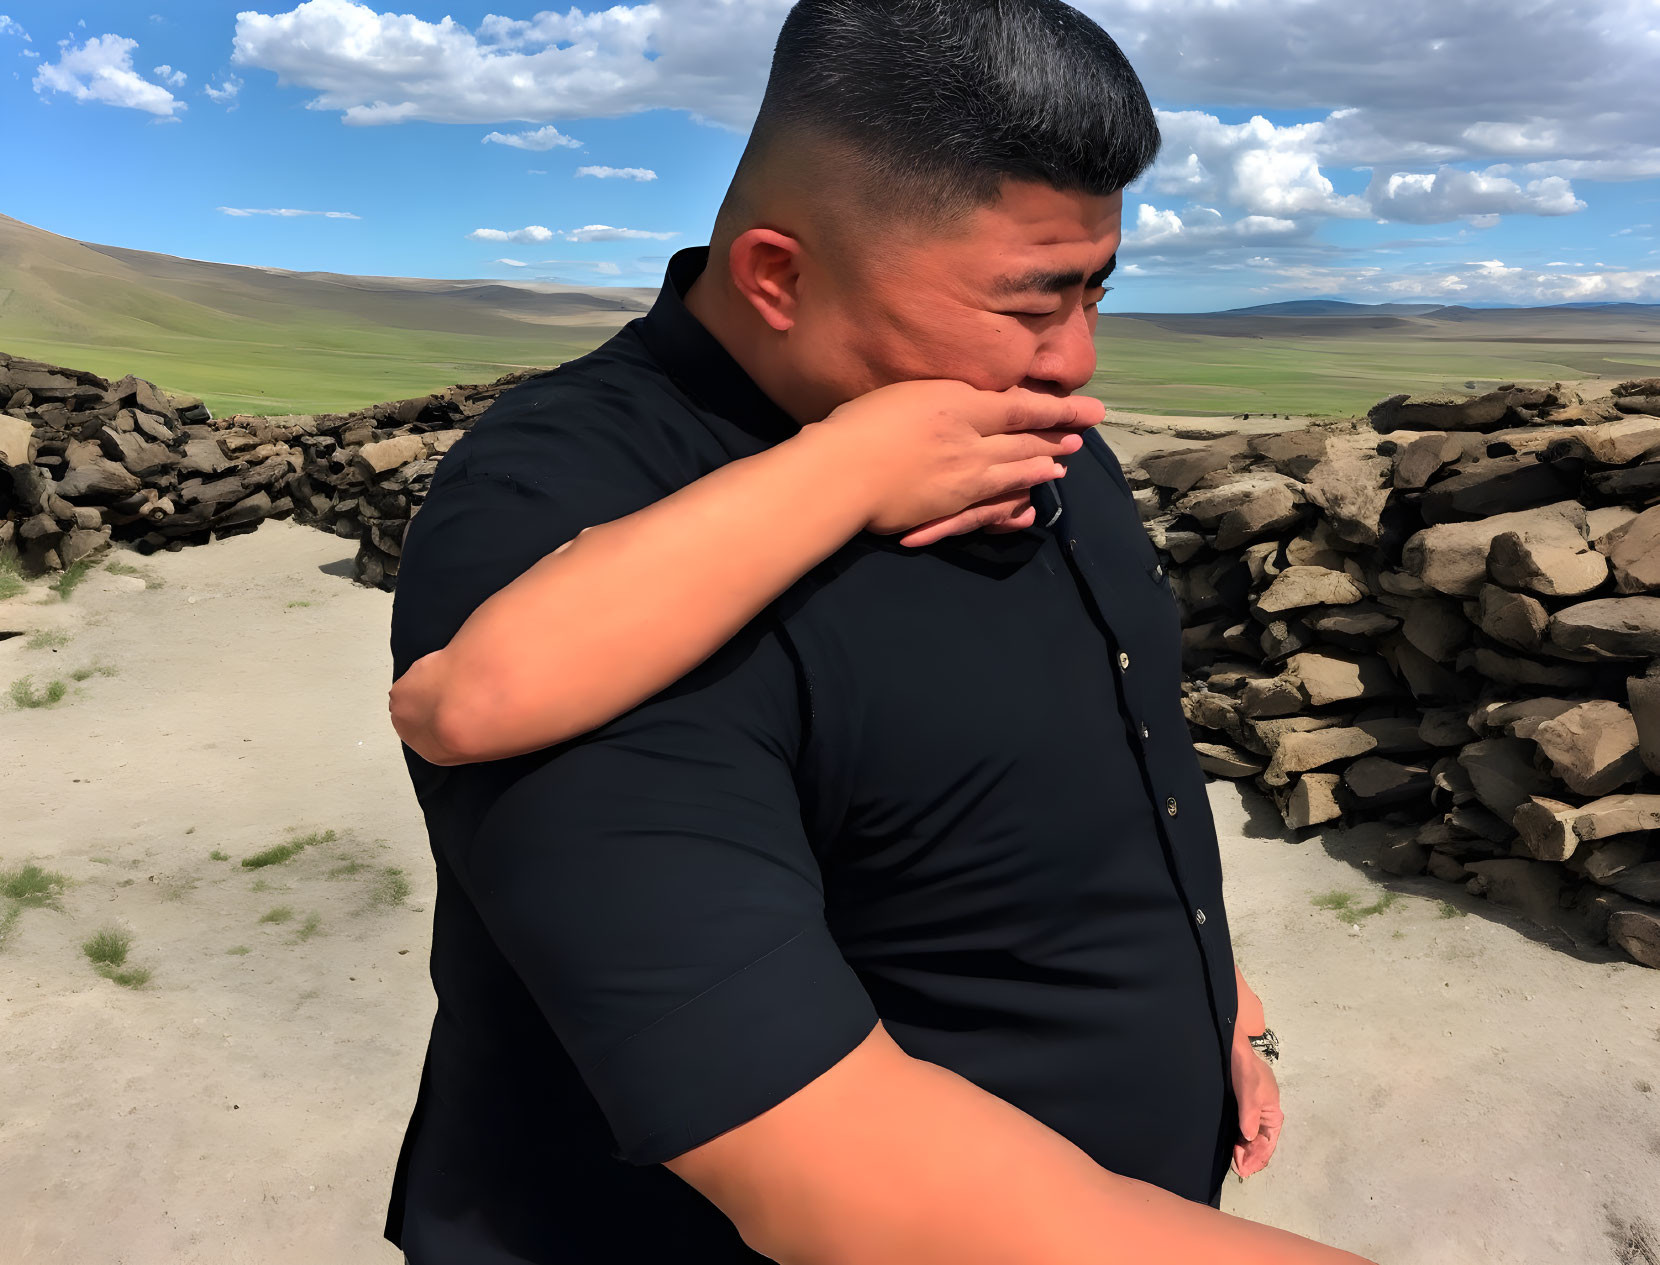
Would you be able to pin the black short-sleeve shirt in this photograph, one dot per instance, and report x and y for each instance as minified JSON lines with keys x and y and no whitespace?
{"x":949,"y":788}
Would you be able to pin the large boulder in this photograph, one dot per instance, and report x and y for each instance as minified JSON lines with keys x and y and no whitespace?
{"x":1638,"y":933}
{"x":1552,"y":828}
{"x":1312,"y":749}
{"x":1325,"y":678}
{"x":1498,"y":485}
{"x":1643,"y":696}
{"x":1352,"y":489}
{"x":1633,"y":551}
{"x":1296,"y":587}
{"x":1503,"y":774}
{"x":1610,"y":627}
{"x":1246,"y":508}
{"x":1550,"y":568}
{"x":1452,"y":557}
{"x":1513,"y":618}
{"x":1496,"y":409}
{"x":1592,"y":747}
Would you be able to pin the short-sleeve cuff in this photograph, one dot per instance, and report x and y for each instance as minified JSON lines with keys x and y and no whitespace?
{"x":734,"y":1051}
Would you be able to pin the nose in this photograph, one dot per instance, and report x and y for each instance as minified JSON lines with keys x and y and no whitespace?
{"x":1065,"y":360}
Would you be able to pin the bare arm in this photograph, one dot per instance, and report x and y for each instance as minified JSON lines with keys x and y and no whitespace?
{"x":1250,"y":1021}
{"x":890,"y":1160}
{"x":630,"y":606}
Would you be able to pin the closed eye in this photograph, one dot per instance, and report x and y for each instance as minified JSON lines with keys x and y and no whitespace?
{"x":1104,"y":289}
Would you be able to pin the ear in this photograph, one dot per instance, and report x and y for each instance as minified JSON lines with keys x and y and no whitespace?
{"x":766,"y":270}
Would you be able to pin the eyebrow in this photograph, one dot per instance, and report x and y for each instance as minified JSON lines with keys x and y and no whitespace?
{"x":1045,"y":281}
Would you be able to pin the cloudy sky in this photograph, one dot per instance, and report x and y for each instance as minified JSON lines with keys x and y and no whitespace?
{"x":1469,"y":151}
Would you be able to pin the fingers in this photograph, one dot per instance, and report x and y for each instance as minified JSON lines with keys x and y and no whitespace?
{"x":1007,"y":511}
{"x":1036,"y":410}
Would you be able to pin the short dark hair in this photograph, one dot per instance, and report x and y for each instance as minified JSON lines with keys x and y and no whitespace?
{"x":937,"y":101}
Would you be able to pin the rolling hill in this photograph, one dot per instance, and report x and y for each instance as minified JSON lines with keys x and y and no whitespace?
{"x":262,"y":340}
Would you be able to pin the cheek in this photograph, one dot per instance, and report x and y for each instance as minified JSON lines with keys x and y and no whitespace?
{"x":985,"y":351}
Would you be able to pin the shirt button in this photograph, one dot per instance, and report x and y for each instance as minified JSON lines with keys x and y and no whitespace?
{"x":1123,"y":661}
{"x":1144,"y":731}
{"x":1170,"y":805}
{"x":1199,"y":916}
{"x":1158,"y":571}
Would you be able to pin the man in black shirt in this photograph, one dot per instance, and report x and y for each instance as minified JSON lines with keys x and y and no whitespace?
{"x":949,"y":789}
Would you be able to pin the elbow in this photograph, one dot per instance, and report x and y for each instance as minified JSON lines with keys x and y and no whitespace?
{"x":428,"y":716}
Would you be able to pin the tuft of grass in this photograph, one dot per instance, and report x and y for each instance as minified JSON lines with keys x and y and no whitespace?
{"x":1450,"y":910}
{"x":217,"y":855}
{"x":278,"y":853}
{"x":71,"y":576}
{"x":1343,"y":905}
{"x":136,"y":977}
{"x":30,"y":885}
{"x":309,"y":927}
{"x":11,"y":574}
{"x":47,"y":639}
{"x":107,"y":946}
{"x":8,"y":920}
{"x":151,"y":581}
{"x":260,"y":885}
{"x":280,"y":913}
{"x":97,"y":669}
{"x":101,"y":860}
{"x":347,"y":869}
{"x":238,"y":949}
{"x":23,"y":693}
{"x":292,"y":605}
{"x":390,"y":889}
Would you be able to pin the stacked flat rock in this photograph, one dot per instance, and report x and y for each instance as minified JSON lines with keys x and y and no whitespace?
{"x":84,"y":461}
{"x":1445,"y":617}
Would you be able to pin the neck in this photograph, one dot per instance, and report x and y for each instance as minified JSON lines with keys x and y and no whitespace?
{"x":749,"y":340}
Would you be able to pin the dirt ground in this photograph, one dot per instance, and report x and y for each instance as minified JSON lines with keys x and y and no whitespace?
{"x":1457,"y":1089}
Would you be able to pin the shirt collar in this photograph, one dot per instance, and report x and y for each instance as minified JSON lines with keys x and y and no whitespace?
{"x":702,"y":367}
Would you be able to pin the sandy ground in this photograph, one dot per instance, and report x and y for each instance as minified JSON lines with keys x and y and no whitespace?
{"x":1458,"y":1089}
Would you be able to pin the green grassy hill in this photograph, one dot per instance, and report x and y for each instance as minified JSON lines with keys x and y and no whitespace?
{"x":252,"y":340}
{"x":256,"y":340}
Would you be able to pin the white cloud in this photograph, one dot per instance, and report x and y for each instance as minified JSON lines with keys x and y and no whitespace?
{"x":618,"y":173}
{"x":101,"y":70}
{"x":588,"y":233}
{"x":511,"y":263}
{"x":172,"y":78}
{"x":605,"y":233}
{"x":542,"y":138}
{"x":288,"y":212}
{"x":608,"y":269}
{"x":534,"y":233}
{"x":1451,"y":193}
{"x":1162,"y":232}
{"x":709,"y":57}
{"x":224,"y":92}
{"x":10,"y":27}
{"x":1480,"y":281}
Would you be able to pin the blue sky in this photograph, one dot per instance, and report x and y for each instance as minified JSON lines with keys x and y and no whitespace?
{"x":1473,"y":151}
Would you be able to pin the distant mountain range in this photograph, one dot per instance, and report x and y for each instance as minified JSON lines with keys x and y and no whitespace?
{"x":1339,"y":307}
{"x":267,"y":340}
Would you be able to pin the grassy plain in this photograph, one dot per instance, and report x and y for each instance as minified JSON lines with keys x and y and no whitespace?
{"x":255,"y":340}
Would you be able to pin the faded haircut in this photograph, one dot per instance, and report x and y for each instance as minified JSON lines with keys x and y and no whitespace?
{"x":928,"y":105}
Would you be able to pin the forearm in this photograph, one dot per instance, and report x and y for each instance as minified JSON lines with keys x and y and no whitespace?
{"x":1250,"y":1021}
{"x":702,"y":562}
{"x":986,"y":1184}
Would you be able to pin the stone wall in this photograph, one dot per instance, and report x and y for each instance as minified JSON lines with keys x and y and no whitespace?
{"x":1446,"y":617}
{"x":84,"y":461}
